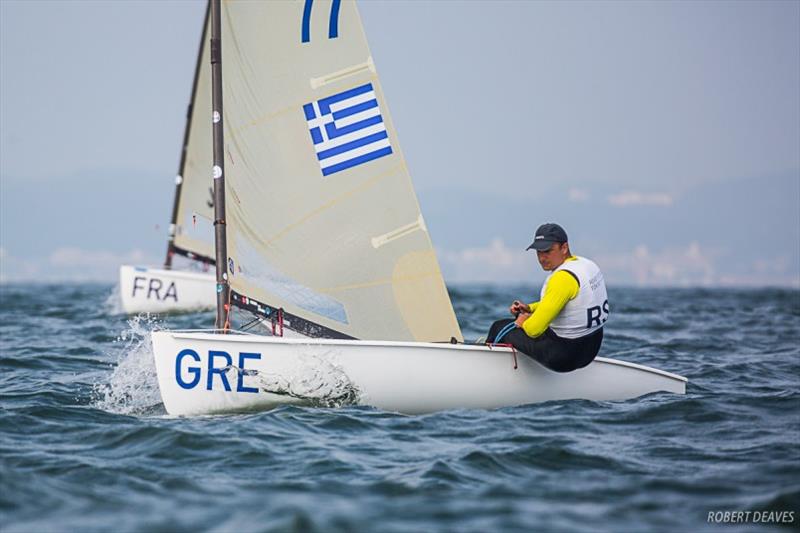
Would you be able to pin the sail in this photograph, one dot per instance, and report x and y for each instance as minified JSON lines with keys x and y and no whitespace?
{"x":322,"y":217}
{"x":192,"y":230}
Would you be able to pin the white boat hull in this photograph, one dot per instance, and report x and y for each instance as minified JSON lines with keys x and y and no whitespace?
{"x":406,"y":377}
{"x":155,"y":290}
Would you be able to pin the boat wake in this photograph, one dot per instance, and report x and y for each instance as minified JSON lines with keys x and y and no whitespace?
{"x":132,"y":387}
{"x":314,"y":380}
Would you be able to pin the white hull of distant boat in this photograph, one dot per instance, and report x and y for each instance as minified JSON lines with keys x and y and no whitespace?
{"x":205,"y":373}
{"x":155,"y":290}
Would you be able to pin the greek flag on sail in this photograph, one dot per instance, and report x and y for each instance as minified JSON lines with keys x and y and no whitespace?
{"x":347,"y":129}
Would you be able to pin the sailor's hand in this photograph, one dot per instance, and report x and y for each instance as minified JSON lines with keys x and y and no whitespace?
{"x":521,"y":318}
{"x":518,"y":307}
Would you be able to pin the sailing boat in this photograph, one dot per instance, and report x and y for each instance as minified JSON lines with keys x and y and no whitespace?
{"x":191,"y":233}
{"x":319,"y":234}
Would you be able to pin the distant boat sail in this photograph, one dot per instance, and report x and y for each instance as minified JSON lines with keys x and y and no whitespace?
{"x":191,"y":230}
{"x":317,"y":229}
{"x":192,"y":224}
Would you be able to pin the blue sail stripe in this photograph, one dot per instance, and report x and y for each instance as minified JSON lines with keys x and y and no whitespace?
{"x":352,"y":145}
{"x":326,"y":171}
{"x":333,"y":26}
{"x":325,"y":103}
{"x":334,"y":132}
{"x":306,"y":28}
{"x":352,"y":110}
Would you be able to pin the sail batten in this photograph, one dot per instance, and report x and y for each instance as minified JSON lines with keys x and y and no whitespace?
{"x":322,"y":217}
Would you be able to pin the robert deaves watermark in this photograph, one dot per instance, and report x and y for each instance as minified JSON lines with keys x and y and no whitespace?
{"x":751,"y":517}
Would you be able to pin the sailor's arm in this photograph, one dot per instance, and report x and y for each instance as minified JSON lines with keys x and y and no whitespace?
{"x":518,"y":307}
{"x":561,"y":288}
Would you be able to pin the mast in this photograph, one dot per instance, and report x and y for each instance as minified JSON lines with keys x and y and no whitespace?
{"x":179,"y":178}
{"x":220,"y":243}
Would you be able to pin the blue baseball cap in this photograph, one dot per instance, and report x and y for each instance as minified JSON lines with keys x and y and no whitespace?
{"x":547,"y":235}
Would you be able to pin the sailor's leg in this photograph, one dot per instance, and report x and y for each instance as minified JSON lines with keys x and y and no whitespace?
{"x":496,"y":328}
{"x":547,"y":349}
{"x":556,"y":353}
{"x":586,"y":348}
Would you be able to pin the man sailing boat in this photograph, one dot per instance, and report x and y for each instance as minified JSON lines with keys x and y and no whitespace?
{"x":564,"y":329}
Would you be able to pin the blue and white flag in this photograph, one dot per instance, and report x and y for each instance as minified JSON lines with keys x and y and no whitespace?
{"x":347,"y":129}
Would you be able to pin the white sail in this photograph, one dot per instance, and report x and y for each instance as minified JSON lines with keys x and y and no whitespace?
{"x":322,"y":218}
{"x":193,"y":224}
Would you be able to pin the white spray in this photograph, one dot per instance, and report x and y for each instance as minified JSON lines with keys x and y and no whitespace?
{"x":132,"y":387}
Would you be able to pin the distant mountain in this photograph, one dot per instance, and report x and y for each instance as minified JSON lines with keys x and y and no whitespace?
{"x":744,"y":232}
{"x":82,"y":227}
{"x":739,"y":232}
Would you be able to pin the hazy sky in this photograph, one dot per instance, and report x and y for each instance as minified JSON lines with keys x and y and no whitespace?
{"x":572,"y":110}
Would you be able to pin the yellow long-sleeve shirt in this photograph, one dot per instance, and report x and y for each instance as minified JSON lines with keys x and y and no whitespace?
{"x":561,"y":288}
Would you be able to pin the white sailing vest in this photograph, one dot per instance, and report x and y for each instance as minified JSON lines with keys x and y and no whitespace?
{"x":588,"y":311}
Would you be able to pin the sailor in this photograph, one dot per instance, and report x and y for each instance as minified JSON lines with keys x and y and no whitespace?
{"x":564,"y":329}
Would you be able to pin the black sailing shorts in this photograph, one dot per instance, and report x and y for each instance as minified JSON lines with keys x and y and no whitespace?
{"x":556,"y":353}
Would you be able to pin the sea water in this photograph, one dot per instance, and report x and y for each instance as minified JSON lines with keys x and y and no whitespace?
{"x":85,"y":444}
